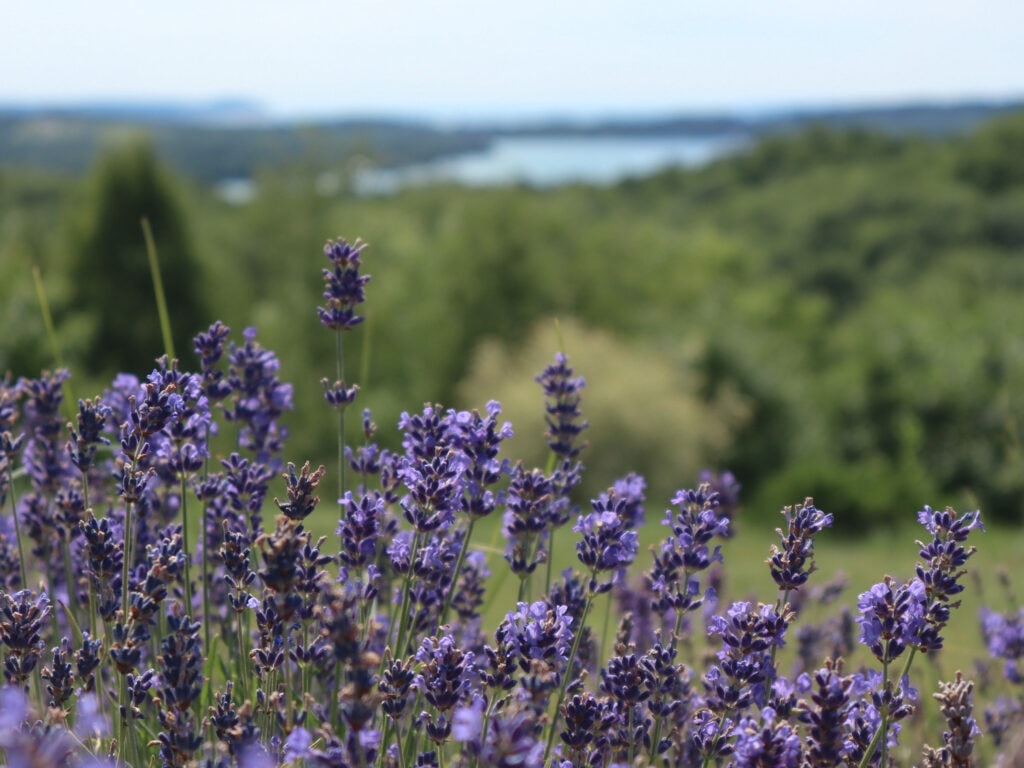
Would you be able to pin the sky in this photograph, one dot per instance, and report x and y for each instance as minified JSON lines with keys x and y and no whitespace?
{"x":528,"y":58}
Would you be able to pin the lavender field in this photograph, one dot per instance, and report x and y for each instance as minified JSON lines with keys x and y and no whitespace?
{"x":444,"y":604}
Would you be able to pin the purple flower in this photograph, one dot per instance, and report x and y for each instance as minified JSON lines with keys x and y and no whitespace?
{"x":22,"y":617}
{"x":360,"y":528}
{"x":945,"y":555}
{"x":711,"y":737}
{"x":436,"y":489}
{"x":685,"y":552}
{"x":946,"y":526}
{"x":537,"y":632}
{"x":92,"y":418}
{"x":1004,"y":636}
{"x":58,"y":675}
{"x":631,"y":490}
{"x":338,"y":395}
{"x":728,"y":490}
{"x":446,"y":672}
{"x":767,"y":741}
{"x":957,"y":704}
{"x":891,"y":617}
{"x":748,"y":633}
{"x":89,"y":720}
{"x":182,"y":445}
{"x":526,"y":518}
{"x":467,"y":722}
{"x":209,"y":348}
{"x":296,"y":746}
{"x":793,"y":563}
{"x":181,"y":664}
{"x":468,"y":597}
{"x":343,"y":285}
{"x":480,"y":439}
{"x":259,"y":398}
{"x":607,"y":543}
{"x":45,"y":462}
{"x":628,"y":678}
{"x":301,"y":501}
{"x":510,"y":742}
{"x":396,"y":686}
{"x":151,"y":413}
{"x":829,"y":696}
{"x":423,"y":434}
{"x":562,"y":390}
{"x":445,"y":681}
{"x":245,"y":488}
{"x":13,"y":709}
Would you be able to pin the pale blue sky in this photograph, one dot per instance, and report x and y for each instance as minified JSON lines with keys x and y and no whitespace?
{"x":520,"y":58}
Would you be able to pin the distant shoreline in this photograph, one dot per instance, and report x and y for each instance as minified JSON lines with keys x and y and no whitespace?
{"x":234,"y":140}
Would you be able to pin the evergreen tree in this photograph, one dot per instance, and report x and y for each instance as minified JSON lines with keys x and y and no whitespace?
{"x":112,"y":281}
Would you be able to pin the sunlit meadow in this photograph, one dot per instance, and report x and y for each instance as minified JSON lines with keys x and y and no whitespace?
{"x":161,"y":605}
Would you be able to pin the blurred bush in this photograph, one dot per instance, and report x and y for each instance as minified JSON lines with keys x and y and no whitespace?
{"x":644,"y":406}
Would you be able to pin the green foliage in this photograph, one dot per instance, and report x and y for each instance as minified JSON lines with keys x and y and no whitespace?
{"x":645,"y":406}
{"x":831,"y":313}
{"x":993,"y":159}
{"x":112,"y":282}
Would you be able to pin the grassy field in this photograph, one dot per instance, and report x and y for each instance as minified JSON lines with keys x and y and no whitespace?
{"x":861,"y":561}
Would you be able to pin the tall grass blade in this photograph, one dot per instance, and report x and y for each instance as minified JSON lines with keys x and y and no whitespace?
{"x":158,"y":289}
{"x":68,"y":406}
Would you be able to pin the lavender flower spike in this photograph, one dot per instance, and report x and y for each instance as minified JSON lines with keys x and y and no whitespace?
{"x":343,"y":285}
{"x":607,"y":543}
{"x":792,"y":564}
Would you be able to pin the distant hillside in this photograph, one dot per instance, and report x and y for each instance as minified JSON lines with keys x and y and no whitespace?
{"x":917,"y":118}
{"x":69,"y":142}
{"x":233,"y":139}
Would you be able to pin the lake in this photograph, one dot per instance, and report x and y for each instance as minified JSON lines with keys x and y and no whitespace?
{"x":548,"y":161}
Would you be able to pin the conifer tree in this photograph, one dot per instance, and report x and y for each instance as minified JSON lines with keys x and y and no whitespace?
{"x":111,"y":278}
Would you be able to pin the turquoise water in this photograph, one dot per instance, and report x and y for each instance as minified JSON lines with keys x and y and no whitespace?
{"x":546,"y":161}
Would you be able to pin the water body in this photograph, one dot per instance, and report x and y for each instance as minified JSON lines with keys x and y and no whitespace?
{"x":548,"y":161}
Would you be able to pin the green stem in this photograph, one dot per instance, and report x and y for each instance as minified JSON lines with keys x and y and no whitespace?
{"x":335,"y":693}
{"x":188,"y":552}
{"x":660,"y":718}
{"x":771,"y":666}
{"x":17,"y":527}
{"x":340,"y":355}
{"x":206,"y":577}
{"x":126,"y":552}
{"x":398,"y":740}
{"x":70,"y":580}
{"x":456,"y":572}
{"x":158,"y":289}
{"x":51,"y":334}
{"x":403,"y":616}
{"x":240,"y":661}
{"x":604,"y":629}
{"x":551,"y":558}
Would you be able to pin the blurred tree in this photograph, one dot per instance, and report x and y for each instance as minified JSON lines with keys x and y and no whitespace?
{"x":993,"y":158}
{"x":112,"y":282}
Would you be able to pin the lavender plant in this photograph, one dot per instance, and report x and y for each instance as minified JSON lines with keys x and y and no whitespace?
{"x":133,"y":634}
